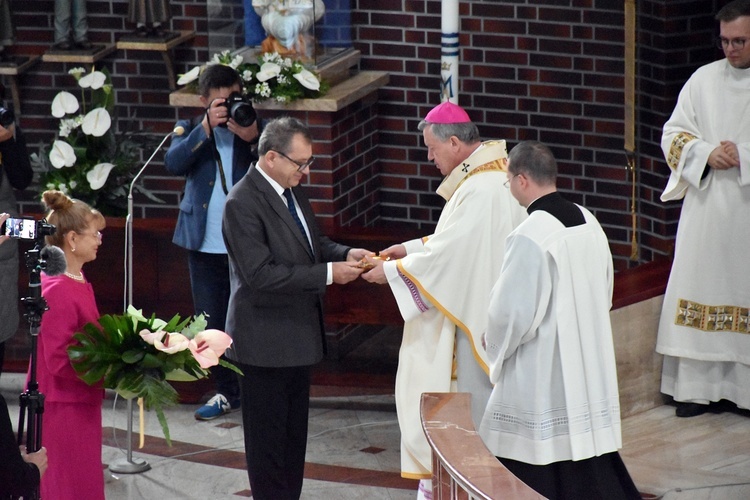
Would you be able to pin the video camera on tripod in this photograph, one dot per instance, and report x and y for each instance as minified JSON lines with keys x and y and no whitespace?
{"x":26,"y":228}
{"x":50,"y":259}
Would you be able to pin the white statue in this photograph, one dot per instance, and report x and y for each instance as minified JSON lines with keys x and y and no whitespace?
{"x":287,"y":23}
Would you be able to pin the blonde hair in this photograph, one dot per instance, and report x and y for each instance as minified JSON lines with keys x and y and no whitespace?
{"x":68,"y":214}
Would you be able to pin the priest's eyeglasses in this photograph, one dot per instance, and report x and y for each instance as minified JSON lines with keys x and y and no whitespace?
{"x":509,"y":180}
{"x":736,"y":43}
{"x":300,"y":165}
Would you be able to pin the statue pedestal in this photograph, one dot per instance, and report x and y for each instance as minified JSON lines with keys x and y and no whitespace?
{"x":343,"y":182}
{"x":163,"y":45}
{"x":12,"y":69}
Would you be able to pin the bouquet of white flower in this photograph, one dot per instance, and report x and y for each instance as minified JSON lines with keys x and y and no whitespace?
{"x":272,"y":77}
{"x":88,"y":159}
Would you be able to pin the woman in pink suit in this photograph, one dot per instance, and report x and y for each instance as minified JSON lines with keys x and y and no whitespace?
{"x":72,"y":419}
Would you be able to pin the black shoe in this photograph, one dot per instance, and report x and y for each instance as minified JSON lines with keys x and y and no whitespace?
{"x":686,"y":410}
{"x":83,"y":45}
{"x":63,"y":45}
{"x":141,"y":31}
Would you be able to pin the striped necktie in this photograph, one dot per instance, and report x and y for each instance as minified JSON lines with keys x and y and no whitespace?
{"x":293,"y":212}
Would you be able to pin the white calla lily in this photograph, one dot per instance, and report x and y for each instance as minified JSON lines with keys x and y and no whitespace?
{"x":98,"y":175}
{"x":93,"y":80}
{"x":190,"y":76}
{"x":308,"y":80}
{"x":96,"y":122}
{"x":267,"y":71}
{"x":64,"y":103}
{"x":62,"y":155}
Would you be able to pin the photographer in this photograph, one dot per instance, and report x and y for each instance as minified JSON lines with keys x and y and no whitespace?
{"x":20,"y":472}
{"x":15,"y":173}
{"x":213,"y":154}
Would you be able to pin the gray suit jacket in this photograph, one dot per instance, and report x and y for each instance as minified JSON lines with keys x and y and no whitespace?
{"x":275,"y":309}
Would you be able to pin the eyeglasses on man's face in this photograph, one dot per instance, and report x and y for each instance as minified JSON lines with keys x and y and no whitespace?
{"x":509,"y":180}
{"x":736,"y":43}
{"x":300,"y":165}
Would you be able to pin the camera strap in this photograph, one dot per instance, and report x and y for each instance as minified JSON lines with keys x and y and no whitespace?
{"x":216,"y":154}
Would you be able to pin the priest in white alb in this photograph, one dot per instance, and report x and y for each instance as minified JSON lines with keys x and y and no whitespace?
{"x":704,"y":330}
{"x":553,"y":418}
{"x":442,"y":282}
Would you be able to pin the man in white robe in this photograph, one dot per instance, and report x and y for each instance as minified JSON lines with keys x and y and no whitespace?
{"x":553,"y":418}
{"x":442,"y":282}
{"x":704,"y":325}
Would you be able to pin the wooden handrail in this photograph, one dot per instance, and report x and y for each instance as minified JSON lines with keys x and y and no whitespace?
{"x":462,"y":466}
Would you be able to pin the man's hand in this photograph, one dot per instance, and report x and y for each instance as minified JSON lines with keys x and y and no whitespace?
{"x":724,"y":156}
{"x":3,"y":217}
{"x":357,"y":254}
{"x":394,"y":252}
{"x":376,"y":274}
{"x":344,"y":272}
{"x":247,"y":134}
{"x":7,"y":133}
{"x":216,"y":115}
{"x":38,"y":458}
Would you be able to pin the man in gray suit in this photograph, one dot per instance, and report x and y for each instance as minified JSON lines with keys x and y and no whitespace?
{"x":279,"y":264}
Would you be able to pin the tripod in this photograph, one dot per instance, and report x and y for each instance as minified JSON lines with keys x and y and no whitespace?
{"x":31,"y":400}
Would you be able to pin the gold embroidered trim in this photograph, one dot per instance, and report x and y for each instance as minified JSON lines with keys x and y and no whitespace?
{"x":712,"y":318}
{"x":499,"y":165}
{"x":675,"y":150}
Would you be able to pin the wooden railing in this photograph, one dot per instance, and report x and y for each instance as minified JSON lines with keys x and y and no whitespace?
{"x":462,"y":466}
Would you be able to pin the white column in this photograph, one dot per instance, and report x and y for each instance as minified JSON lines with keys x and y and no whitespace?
{"x":449,"y":54}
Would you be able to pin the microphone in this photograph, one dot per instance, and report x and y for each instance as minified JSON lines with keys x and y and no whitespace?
{"x":54,"y":257}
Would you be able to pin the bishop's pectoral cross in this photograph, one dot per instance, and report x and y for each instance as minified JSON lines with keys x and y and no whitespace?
{"x":465,"y":167}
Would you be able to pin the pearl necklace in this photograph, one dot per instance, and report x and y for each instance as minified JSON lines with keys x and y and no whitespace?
{"x":78,"y":277}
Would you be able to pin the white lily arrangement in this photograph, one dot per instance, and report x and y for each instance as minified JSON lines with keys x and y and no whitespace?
{"x":273,"y":77}
{"x":88,"y":159}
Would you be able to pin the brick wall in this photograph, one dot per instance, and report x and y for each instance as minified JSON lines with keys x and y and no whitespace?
{"x":550,"y":70}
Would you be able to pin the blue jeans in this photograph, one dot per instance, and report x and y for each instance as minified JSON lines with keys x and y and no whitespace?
{"x":209,"y":279}
{"x":64,"y":11}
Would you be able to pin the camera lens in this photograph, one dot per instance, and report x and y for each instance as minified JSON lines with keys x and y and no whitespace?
{"x":6,"y":117}
{"x":240,"y":109}
{"x":243,"y":113}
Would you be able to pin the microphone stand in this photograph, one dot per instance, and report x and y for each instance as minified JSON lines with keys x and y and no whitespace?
{"x":129,"y":465}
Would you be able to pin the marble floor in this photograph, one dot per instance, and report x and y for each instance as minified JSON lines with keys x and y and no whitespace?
{"x":353,"y":444}
{"x":353,"y":452}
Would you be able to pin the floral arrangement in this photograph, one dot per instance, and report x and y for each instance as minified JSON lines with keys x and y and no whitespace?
{"x":272,"y":77}
{"x":138,"y":356}
{"x":88,"y":159}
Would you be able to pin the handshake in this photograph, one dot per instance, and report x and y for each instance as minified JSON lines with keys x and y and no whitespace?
{"x":366,"y":263}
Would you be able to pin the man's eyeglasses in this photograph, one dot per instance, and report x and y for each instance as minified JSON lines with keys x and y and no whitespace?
{"x":509,"y":180}
{"x":737,"y":43}
{"x":301,"y":165}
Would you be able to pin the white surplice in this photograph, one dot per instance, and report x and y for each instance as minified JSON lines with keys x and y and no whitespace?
{"x":442,"y":287}
{"x":550,"y":347}
{"x":704,"y":325}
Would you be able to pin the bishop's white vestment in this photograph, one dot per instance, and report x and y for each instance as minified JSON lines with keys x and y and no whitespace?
{"x":442,"y":288}
{"x":549,"y":345}
{"x":704,"y":326}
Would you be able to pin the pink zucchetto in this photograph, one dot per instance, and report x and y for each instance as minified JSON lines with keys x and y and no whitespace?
{"x":447,"y":112}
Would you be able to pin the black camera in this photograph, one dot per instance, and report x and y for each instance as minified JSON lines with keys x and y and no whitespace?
{"x":240,"y":109}
{"x":26,"y":228}
{"x":6,"y":117}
